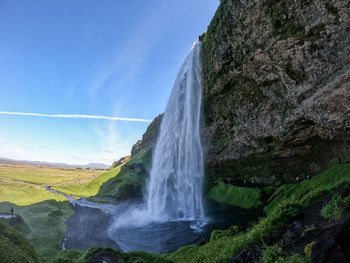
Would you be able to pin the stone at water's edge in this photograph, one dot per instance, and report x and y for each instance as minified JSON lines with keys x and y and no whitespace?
{"x":277,"y":87}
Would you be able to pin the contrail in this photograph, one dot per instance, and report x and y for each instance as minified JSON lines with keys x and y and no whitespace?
{"x":73,"y":116}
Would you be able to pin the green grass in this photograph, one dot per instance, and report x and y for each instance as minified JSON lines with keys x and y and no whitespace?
{"x":74,"y":256}
{"x":87,"y":189}
{"x":14,"y":247}
{"x":25,"y":194}
{"x":46,"y":222}
{"x":308,"y":191}
{"x":336,"y":208}
{"x":131,"y":180}
{"x":24,"y":184}
{"x":225,"y":248}
{"x":275,"y":254}
{"x":45,"y":175}
{"x":285,"y":205}
{"x":236,"y":196}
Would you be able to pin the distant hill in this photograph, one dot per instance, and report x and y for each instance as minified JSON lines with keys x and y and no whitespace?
{"x":90,"y":165}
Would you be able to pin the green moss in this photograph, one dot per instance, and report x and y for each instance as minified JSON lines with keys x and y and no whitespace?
{"x":46,"y":223}
{"x":296,"y":75}
{"x":216,"y":34}
{"x":283,"y":21}
{"x":217,"y":234}
{"x":130,"y":181}
{"x":14,"y":247}
{"x":315,"y":32}
{"x":225,"y":248}
{"x":331,"y":9}
{"x":285,"y":204}
{"x":68,"y":256}
{"x":108,"y":254}
{"x":309,"y":191}
{"x":336,"y":208}
{"x":273,"y":254}
{"x":236,"y":196}
{"x":308,"y":249}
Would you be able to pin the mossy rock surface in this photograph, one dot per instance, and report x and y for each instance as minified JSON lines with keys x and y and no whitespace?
{"x":14,"y":247}
{"x":130,"y":182}
{"x":243,"y":197}
{"x":274,"y":97}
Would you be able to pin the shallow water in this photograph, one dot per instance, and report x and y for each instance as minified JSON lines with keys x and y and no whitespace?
{"x":6,"y":216}
{"x":94,"y":225}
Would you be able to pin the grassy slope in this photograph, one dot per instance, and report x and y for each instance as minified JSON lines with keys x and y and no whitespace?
{"x":25,"y":194}
{"x":30,"y":190}
{"x":325,"y":183}
{"x":14,"y":247}
{"x":87,"y":189}
{"x":130,"y":182}
{"x":74,"y":256}
{"x":45,"y":175}
{"x":46,"y":222}
{"x":283,"y":207}
{"x":244,"y":197}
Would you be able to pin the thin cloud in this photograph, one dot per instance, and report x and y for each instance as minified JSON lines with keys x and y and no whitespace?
{"x":131,"y":56}
{"x":74,"y":116}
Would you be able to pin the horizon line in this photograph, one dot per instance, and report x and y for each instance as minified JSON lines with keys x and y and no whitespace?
{"x":74,"y":116}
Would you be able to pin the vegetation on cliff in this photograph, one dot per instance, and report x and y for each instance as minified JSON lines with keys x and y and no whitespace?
{"x":129,"y":182}
{"x":14,"y":247}
{"x":43,"y":224}
{"x":275,"y":88}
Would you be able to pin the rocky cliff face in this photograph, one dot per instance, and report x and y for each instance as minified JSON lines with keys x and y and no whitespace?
{"x":277,"y":87}
{"x":149,"y":138}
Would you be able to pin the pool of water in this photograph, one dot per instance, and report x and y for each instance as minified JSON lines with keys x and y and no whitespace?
{"x":96,"y":224}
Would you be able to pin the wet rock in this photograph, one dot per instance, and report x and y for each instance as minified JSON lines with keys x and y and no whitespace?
{"x":297,"y":225}
{"x":103,"y":257}
{"x":334,"y":247}
{"x":289,"y":234}
{"x":248,"y":256}
{"x":277,"y":87}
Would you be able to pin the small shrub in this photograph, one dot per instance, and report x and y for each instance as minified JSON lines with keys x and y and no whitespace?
{"x":216,"y":234}
{"x":335,"y":209}
{"x":273,"y":254}
{"x":308,"y":249}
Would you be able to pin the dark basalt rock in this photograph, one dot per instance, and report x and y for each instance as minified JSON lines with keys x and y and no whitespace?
{"x":149,"y":137}
{"x":248,"y":256}
{"x":103,"y":257}
{"x":276,"y":92}
{"x":334,"y":247}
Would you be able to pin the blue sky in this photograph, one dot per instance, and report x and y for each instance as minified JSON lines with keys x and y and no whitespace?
{"x":111,"y":58}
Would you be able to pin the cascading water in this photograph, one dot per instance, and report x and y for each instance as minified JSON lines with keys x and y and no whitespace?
{"x":173,"y":214}
{"x":175,"y":186}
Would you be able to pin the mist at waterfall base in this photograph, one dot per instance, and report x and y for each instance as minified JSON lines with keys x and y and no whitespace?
{"x":173,"y":213}
{"x":174,"y":190}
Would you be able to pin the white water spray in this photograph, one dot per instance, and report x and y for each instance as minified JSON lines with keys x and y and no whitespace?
{"x":175,"y":186}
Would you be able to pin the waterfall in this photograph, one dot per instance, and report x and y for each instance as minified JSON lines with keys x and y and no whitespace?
{"x":176,"y":178}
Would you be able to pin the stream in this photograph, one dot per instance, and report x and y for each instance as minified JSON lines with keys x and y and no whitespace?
{"x":93,"y":224}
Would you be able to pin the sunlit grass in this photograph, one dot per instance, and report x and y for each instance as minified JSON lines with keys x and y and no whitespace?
{"x":25,"y":194}
{"x":236,"y":196}
{"x":285,"y":205}
{"x":86,"y":189}
{"x":45,"y":175}
{"x":307,"y":191}
{"x":46,"y":221}
{"x":24,"y":184}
